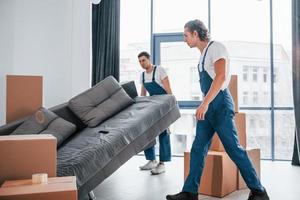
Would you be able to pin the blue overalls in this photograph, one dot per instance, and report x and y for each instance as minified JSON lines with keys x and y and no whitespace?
{"x":218,"y":118}
{"x":154,"y":88}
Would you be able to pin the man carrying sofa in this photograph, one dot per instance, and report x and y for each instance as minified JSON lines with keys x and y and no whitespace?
{"x":155,"y":81}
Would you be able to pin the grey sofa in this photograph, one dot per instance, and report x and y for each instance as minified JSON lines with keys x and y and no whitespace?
{"x":94,"y":153}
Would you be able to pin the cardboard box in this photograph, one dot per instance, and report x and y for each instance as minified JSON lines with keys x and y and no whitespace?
{"x":59,"y":188}
{"x":24,"y":95}
{"x":219,"y":176}
{"x":240,"y":122}
{"x":233,"y":88}
{"x":24,"y":155}
{"x":254,"y":155}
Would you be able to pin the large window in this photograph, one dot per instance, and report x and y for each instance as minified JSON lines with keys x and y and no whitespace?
{"x":247,"y":38}
{"x":179,"y":59}
{"x":183,"y":132}
{"x":135,"y":36}
{"x":260,"y":54}
{"x":258,"y":126}
{"x":171,"y":15}
{"x":284,"y":134}
{"x":283,"y":94}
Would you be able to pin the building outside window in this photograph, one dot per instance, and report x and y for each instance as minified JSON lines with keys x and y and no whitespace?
{"x":275,"y":76}
{"x":255,"y":98}
{"x":245,"y":73}
{"x":252,"y":123}
{"x":254,"y":74}
{"x":265,"y":75}
{"x":265,"y":97}
{"x":245,"y":98}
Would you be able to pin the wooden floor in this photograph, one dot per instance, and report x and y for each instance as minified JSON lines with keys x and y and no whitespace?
{"x":281,"y":180}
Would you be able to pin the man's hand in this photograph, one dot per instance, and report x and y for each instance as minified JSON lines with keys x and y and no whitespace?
{"x":201,"y":110}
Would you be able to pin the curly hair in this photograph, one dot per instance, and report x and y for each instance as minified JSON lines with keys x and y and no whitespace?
{"x":197,"y":25}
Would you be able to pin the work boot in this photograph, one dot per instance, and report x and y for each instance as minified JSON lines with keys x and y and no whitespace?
{"x":258,"y":195}
{"x":183,"y":196}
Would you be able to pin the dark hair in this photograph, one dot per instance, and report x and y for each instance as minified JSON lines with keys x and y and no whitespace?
{"x":197,"y":25}
{"x":144,"y":53}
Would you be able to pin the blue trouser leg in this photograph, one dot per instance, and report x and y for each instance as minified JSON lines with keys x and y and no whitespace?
{"x":204,"y":133}
{"x":164,"y":147}
{"x":228,"y":135}
{"x":150,"y":153}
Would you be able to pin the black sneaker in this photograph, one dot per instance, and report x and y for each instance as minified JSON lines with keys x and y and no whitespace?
{"x":183,"y":196}
{"x":258,"y":195}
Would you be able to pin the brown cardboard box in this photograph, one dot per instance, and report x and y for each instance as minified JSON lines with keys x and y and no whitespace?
{"x":233,"y":88}
{"x":240,"y":122}
{"x":219,"y":176}
{"x":24,"y":155}
{"x":59,"y":188}
{"x":24,"y":95}
{"x":254,"y":155}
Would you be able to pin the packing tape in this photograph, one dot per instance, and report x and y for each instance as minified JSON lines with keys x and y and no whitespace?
{"x":39,"y":178}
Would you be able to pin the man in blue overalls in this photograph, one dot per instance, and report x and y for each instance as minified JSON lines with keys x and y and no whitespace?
{"x":215,"y":114}
{"x":155,"y":81}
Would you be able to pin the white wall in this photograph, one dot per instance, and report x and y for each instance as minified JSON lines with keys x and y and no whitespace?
{"x":6,"y":49}
{"x":49,"y":38}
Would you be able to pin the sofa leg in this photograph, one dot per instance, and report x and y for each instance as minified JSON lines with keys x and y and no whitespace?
{"x":92,"y":196}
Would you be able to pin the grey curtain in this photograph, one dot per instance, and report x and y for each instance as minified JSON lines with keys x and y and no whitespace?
{"x":105,"y":40}
{"x":296,"y":75}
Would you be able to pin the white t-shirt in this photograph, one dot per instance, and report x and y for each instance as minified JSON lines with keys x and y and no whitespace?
{"x":160,"y":74}
{"x":215,"y":52}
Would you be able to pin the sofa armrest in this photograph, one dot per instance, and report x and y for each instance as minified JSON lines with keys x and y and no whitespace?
{"x":24,"y":155}
{"x":130,"y":88}
{"x":7,"y":129}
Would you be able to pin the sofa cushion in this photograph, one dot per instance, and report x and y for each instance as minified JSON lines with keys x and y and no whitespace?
{"x":100,"y":102}
{"x":45,"y":121}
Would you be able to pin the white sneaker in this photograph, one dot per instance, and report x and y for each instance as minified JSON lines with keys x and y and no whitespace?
{"x":160,"y":168}
{"x":149,"y":165}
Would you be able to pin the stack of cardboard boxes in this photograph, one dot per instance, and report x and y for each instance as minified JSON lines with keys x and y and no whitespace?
{"x":24,"y":155}
{"x":220,"y":175}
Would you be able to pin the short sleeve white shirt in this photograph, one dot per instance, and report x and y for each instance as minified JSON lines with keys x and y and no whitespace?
{"x":215,"y":52}
{"x":160,"y":74}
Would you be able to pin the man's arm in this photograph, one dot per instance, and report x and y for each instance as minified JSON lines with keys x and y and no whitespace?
{"x":143,"y":91}
{"x":166,"y":85}
{"x":215,"y":87}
